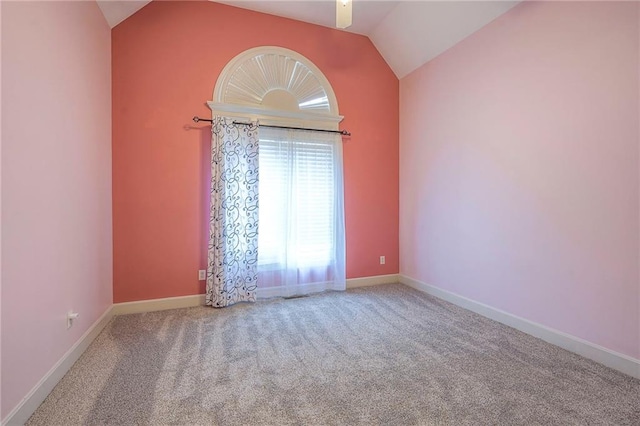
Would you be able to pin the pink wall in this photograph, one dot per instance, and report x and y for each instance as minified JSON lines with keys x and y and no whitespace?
{"x":166,"y":59}
{"x":519,"y":169}
{"x":56,"y":184}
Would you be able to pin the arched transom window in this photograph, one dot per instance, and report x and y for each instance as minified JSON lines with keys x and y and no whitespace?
{"x":275,"y":85}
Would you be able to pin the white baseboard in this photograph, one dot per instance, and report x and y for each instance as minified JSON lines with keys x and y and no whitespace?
{"x":152,"y":305}
{"x":612,"y":359}
{"x":374,"y":280}
{"x":21,"y":413}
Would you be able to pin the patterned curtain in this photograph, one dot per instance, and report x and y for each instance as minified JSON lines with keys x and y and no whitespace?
{"x":233,"y":225}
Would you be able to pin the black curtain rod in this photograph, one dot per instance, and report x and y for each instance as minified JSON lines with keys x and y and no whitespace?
{"x":342,"y":132}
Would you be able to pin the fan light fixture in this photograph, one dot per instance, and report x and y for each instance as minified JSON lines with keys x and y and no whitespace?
{"x":343,"y":13}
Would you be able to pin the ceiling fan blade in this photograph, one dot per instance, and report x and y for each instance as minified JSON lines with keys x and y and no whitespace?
{"x":343,"y":13}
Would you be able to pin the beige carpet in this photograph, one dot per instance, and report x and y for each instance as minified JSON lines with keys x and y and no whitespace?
{"x":377,"y":355}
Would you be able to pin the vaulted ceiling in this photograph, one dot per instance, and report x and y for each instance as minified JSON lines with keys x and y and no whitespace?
{"x":406,"y":33}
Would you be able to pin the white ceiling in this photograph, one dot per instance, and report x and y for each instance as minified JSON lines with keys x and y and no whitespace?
{"x":415,"y":32}
{"x":406,"y":33}
{"x":116,"y":11}
{"x":367,"y":14}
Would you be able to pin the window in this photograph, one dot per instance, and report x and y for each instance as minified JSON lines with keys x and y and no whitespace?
{"x":297,"y":200}
{"x":301,"y":236}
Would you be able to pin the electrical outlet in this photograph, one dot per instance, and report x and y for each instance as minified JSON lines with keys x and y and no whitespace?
{"x":382,"y":260}
{"x":202,"y":275}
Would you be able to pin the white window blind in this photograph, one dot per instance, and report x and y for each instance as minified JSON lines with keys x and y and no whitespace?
{"x":297,"y":202}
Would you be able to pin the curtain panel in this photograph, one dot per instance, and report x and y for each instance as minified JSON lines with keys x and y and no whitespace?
{"x":302,"y":227}
{"x":232,"y":269}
